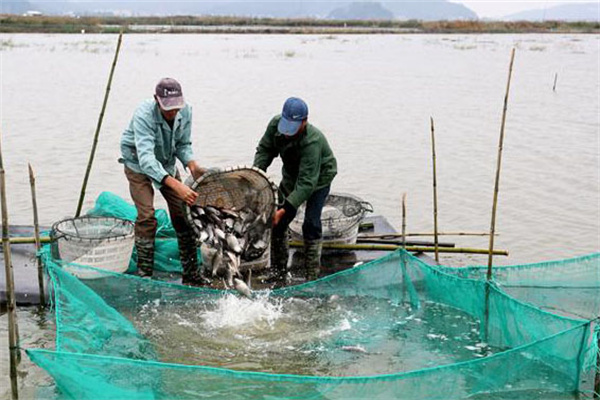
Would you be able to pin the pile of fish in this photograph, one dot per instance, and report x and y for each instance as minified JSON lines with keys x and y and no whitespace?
{"x":228,"y":237}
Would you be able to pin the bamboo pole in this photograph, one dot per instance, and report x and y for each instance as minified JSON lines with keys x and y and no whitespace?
{"x":597,"y":377}
{"x":498,"y":167}
{"x":36,"y":231}
{"x":555,"y":79}
{"x":392,"y":247}
{"x":100,"y":118}
{"x":29,"y":240}
{"x":486,"y":311}
{"x":13,"y":334}
{"x":399,"y":241}
{"x":397,"y":235}
{"x":404,"y":220}
{"x":435,"y":210}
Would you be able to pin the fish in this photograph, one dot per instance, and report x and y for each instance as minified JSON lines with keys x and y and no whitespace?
{"x":229,"y":213}
{"x":242,"y":288}
{"x":216,"y":262}
{"x":203,"y":236}
{"x":355,"y":349}
{"x":233,"y":243}
{"x":219,"y":234}
{"x":199,"y":211}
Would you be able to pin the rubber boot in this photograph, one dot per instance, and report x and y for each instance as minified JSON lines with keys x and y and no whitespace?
{"x":312,"y":258}
{"x":145,"y":256}
{"x":280,"y":253}
{"x":188,"y":254}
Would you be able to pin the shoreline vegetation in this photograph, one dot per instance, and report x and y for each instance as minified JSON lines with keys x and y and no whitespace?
{"x":241,"y":25}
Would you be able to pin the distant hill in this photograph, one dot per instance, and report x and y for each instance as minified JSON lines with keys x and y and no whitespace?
{"x":363,"y":10}
{"x":15,"y":6}
{"x":566,"y":12}
{"x":401,"y":9}
{"x":429,"y":10}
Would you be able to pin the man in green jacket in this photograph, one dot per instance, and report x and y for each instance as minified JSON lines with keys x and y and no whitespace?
{"x":159,"y":134}
{"x":309,"y":167}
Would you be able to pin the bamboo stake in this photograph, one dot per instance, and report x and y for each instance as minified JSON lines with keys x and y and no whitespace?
{"x":435,"y":211}
{"x":486,"y":310}
{"x":100,"y":118}
{"x":392,"y":247}
{"x":36,"y":231}
{"x":13,"y":335}
{"x":498,"y":167}
{"x":555,"y":78}
{"x":597,"y":377}
{"x":404,"y":220}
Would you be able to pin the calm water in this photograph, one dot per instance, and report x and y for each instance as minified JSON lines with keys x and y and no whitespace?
{"x":371,"y":95}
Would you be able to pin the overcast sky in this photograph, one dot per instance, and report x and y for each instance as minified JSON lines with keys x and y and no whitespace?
{"x":498,"y":8}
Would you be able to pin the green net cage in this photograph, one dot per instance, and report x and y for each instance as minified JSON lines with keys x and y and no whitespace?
{"x":394,"y":328}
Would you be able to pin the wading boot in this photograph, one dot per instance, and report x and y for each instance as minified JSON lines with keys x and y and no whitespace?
{"x":191,"y":274}
{"x":279,"y":260}
{"x":312,"y":258}
{"x":145,"y":256}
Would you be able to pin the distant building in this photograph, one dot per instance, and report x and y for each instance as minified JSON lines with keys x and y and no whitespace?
{"x":32,"y":13}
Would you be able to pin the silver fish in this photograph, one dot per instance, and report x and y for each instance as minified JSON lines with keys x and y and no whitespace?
{"x":242,"y":288}
{"x":233,"y":243}
{"x":203,"y":236}
{"x":217,"y":260}
{"x":219,"y":234}
{"x":198,"y":210}
{"x":355,"y":349}
{"x":229,"y":213}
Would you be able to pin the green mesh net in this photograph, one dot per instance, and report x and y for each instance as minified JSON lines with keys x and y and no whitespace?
{"x":395,"y":328}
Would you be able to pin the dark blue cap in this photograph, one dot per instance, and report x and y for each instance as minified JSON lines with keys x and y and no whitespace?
{"x":294,"y":112}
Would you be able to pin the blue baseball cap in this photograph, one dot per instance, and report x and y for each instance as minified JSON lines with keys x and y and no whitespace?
{"x":294,"y":112}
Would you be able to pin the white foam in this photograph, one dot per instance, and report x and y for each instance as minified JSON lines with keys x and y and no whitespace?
{"x":234,"y":311}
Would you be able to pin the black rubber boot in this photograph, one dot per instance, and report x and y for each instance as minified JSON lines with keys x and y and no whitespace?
{"x":191,"y":274}
{"x":145,"y":256}
{"x":280,"y":254}
{"x":312,"y":258}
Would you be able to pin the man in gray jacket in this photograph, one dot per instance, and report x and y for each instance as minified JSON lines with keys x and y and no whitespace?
{"x":159,"y":134}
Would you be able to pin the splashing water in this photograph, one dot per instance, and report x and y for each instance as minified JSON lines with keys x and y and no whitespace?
{"x":233,"y":311}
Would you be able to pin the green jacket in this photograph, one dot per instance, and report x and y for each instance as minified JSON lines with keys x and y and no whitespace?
{"x":149,"y":146}
{"x":308,"y":162}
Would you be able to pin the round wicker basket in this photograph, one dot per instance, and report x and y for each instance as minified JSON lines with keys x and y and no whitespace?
{"x":104,"y":243}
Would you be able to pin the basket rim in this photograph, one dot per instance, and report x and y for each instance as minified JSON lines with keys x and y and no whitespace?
{"x":187,"y":210}
{"x":56,"y":233}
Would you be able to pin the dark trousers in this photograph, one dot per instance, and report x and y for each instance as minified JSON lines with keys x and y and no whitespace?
{"x":311,"y":228}
{"x":142,"y":194}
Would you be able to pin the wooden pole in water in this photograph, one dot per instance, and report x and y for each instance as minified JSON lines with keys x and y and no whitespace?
{"x":435,"y":210}
{"x":404,"y":221}
{"x":36,"y":232}
{"x":13,"y":335}
{"x":486,"y":310}
{"x":498,"y":167}
{"x":100,"y":118}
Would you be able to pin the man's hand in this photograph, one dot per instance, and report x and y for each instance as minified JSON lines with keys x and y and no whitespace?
{"x":277,"y":216}
{"x":196,"y":170}
{"x":184,"y":192}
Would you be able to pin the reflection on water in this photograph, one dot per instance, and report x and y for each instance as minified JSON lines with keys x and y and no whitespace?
{"x":311,"y":336}
{"x":36,"y":330}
